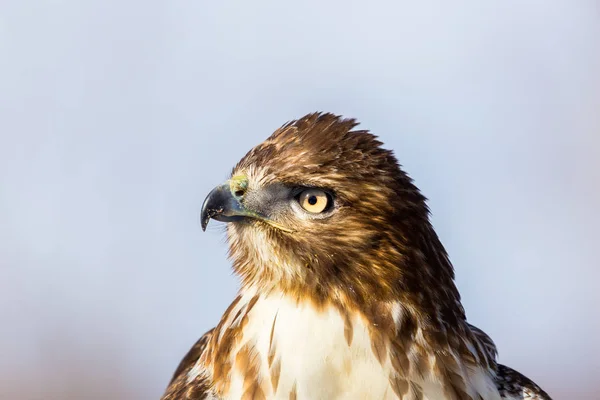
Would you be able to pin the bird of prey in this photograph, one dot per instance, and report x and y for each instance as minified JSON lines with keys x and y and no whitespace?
{"x":346,"y":290}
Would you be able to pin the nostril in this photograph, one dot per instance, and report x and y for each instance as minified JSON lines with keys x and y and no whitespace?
{"x":239,"y":193}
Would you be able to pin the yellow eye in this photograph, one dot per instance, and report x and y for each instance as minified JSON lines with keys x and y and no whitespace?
{"x":314,"y":200}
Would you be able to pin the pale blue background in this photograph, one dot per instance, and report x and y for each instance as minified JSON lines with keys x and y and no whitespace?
{"x":118,"y":117}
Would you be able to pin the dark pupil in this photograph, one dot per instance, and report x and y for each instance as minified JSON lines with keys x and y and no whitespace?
{"x":312,"y":200}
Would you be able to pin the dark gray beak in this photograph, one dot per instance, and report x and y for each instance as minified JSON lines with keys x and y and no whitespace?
{"x":223,"y":205}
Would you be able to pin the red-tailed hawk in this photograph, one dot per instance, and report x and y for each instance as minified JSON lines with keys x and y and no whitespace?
{"x":346,"y":291}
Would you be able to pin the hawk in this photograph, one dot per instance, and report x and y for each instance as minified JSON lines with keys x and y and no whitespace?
{"x":346,"y":290}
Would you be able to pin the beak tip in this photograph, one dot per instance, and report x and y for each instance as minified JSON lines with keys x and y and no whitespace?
{"x":205,"y":214}
{"x":204,"y":221}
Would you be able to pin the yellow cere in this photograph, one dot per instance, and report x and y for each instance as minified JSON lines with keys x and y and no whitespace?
{"x":238,"y":185}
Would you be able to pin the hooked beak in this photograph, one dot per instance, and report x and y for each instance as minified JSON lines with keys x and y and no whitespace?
{"x":224,"y":204}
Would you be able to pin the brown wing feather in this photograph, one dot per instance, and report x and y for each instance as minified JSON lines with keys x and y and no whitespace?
{"x":180,"y":387}
{"x":488,"y":346}
{"x":513,"y":385}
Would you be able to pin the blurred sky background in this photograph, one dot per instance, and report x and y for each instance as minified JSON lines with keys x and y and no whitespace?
{"x":118,"y":117}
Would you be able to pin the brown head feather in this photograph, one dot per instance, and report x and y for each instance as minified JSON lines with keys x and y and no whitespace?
{"x":377,"y":246}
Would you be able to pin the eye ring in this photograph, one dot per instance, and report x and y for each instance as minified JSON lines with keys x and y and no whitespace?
{"x":314,"y":201}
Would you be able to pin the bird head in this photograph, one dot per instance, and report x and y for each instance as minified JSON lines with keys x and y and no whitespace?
{"x":320,"y":209}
